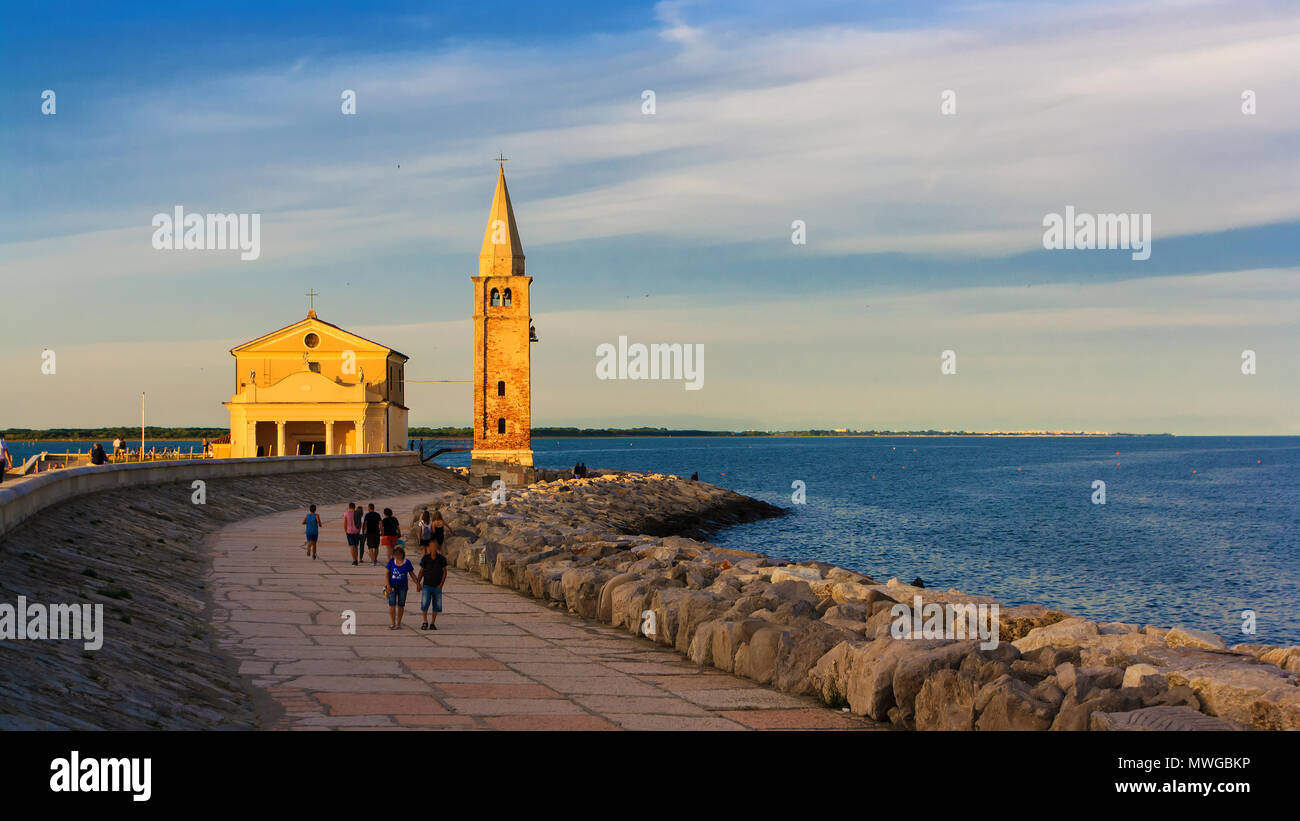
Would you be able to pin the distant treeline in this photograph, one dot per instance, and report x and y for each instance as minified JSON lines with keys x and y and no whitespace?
{"x":129,"y":434}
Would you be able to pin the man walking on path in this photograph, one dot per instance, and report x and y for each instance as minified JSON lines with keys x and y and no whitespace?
{"x":352,"y":529}
{"x":371,"y":523}
{"x":429,"y":581}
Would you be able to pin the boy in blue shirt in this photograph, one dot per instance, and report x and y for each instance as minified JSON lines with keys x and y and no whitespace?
{"x":396,"y":574}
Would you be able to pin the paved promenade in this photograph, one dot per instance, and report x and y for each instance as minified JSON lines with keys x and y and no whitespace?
{"x":498,"y":660}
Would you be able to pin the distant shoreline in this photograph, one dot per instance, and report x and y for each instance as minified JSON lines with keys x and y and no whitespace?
{"x":90,"y":435}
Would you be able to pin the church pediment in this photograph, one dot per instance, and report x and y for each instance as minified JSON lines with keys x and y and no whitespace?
{"x":311,"y":335}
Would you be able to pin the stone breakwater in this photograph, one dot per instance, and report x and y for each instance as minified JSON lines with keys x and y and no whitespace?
{"x":604,"y":549}
{"x":137,"y":551}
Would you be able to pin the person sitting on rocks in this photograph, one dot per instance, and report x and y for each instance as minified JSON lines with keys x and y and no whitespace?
{"x":695,"y":477}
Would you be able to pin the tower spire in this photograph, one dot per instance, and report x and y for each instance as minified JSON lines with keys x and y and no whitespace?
{"x":502,"y":253}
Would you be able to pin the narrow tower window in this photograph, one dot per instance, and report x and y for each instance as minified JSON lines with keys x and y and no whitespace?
{"x":501,"y":425}
{"x":501,"y":389}
{"x":496,"y":297}
{"x":508,"y":301}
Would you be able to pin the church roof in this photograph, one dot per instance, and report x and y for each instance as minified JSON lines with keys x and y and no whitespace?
{"x":505,"y":256}
{"x":310,"y":321}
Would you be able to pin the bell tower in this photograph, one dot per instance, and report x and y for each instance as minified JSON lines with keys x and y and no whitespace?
{"x":502,"y":332}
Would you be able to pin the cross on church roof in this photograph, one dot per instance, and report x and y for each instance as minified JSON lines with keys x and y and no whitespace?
{"x":311,"y":296}
{"x":502,"y":159}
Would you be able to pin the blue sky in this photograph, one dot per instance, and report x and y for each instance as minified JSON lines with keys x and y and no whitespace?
{"x":924,"y":230}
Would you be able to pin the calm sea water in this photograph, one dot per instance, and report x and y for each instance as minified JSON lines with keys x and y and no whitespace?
{"x":1194,"y":530}
{"x":19,"y":452}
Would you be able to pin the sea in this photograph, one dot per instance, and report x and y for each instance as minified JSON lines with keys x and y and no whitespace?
{"x":1202,"y":532}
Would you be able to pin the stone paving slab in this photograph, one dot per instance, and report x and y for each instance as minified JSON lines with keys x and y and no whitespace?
{"x":498,"y":661}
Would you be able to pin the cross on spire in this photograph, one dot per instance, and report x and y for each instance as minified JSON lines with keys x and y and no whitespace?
{"x":502,"y":159}
{"x":311,"y":297}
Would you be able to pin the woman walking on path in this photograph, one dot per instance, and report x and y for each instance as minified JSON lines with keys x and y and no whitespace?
{"x":352,"y":529}
{"x":438,"y":529}
{"x":396,"y":574}
{"x":312,"y":521}
{"x":426,"y":530}
{"x":392,"y":529}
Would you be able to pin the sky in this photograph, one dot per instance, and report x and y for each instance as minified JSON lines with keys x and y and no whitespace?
{"x":923,"y":230}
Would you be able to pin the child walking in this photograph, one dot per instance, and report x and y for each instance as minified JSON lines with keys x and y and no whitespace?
{"x":312,"y":521}
{"x":396,"y":575}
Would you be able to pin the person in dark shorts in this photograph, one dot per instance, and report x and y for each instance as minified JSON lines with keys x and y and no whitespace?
{"x":391,"y":529}
{"x":352,"y":529}
{"x":439,"y":529}
{"x":312,"y":521}
{"x":396,"y":574}
{"x":429,"y":581}
{"x":370,"y":526}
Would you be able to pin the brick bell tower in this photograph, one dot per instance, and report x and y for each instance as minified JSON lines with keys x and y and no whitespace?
{"x":502,"y":333}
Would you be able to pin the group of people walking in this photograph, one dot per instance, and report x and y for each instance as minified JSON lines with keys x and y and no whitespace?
{"x":385,"y":531}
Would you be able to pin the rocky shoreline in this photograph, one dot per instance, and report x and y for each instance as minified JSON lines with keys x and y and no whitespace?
{"x":609,"y":548}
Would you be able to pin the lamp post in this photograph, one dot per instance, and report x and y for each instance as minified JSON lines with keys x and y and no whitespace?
{"x":141,"y":426}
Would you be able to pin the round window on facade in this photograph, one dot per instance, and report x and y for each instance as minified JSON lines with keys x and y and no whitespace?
{"x":311,"y":340}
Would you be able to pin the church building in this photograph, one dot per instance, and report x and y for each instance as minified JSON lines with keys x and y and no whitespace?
{"x":502,"y":334}
{"x":314,"y":388}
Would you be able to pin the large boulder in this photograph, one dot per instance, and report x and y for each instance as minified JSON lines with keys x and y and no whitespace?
{"x":605,"y":602}
{"x":1016,"y":622}
{"x":1187,"y":637}
{"x":695,"y":607}
{"x":582,"y":586}
{"x":1075,"y":714}
{"x":808,"y":645}
{"x":1071,"y":632}
{"x":1161,"y":719}
{"x":728,"y":638}
{"x":862,"y":674}
{"x":1288,"y":658}
{"x":1231,"y":685}
{"x":757,"y":659}
{"x":1006,"y":703}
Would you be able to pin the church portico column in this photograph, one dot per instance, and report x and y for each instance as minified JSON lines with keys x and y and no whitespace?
{"x":361,"y":435}
{"x":279,"y":437}
{"x":329,"y":437}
